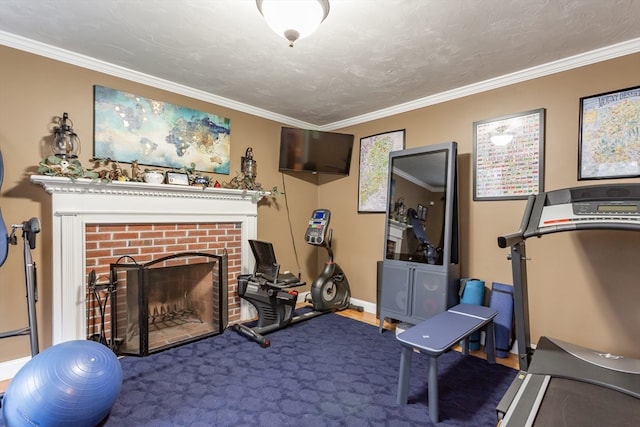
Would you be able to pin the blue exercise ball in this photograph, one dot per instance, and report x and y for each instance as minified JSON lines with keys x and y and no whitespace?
{"x":74,"y":383}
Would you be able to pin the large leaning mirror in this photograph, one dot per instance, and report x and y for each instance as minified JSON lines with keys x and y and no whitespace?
{"x":417,"y":207}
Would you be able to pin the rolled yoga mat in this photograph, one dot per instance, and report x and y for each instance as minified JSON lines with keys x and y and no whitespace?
{"x":502,"y":300}
{"x":472,"y":292}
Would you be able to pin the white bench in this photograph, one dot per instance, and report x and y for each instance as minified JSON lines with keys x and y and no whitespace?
{"x":438,"y":334}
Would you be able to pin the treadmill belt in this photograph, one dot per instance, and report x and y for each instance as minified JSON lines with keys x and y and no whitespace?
{"x":569,"y":403}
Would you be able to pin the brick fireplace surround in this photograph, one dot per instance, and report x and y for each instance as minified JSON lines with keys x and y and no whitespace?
{"x":140,"y":244}
{"x":144,"y":220}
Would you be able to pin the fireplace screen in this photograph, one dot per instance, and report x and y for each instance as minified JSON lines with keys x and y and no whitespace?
{"x":169,"y":301}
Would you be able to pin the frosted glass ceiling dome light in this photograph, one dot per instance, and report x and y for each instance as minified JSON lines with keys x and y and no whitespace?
{"x":293,"y":19}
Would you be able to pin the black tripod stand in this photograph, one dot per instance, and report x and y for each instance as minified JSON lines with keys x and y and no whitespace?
{"x":29,"y":230}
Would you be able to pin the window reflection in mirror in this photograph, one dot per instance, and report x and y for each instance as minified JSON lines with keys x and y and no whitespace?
{"x":416,"y":212}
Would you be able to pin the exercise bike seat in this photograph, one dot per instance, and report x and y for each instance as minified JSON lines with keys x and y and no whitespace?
{"x":280,"y":279}
{"x":277,"y":280}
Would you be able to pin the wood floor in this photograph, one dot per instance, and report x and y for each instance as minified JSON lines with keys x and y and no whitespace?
{"x":370,"y":318}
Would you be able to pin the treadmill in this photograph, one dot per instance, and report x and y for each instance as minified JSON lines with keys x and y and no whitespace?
{"x":562,"y":384}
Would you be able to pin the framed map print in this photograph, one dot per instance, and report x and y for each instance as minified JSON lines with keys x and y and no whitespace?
{"x":129,"y":128}
{"x":374,"y":169}
{"x":508,"y":156}
{"x":609,"y":145}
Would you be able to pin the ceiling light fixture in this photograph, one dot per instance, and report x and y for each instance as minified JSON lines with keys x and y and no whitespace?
{"x":293,"y":19}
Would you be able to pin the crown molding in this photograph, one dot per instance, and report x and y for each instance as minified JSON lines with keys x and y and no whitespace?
{"x":609,"y":52}
{"x":83,"y":61}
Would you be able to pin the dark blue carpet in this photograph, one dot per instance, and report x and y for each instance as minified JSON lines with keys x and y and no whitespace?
{"x":326,"y":371}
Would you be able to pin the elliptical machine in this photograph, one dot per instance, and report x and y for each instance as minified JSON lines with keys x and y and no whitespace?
{"x":272,"y":293}
{"x":330,"y":290}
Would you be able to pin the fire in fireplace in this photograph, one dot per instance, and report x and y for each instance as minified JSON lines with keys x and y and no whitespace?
{"x":169,"y":301}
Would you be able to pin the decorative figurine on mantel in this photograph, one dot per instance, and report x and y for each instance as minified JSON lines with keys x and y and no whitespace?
{"x":246,"y":179}
{"x":135,"y":172}
{"x":111,"y":170}
{"x":201,"y":180}
{"x":399,"y":209}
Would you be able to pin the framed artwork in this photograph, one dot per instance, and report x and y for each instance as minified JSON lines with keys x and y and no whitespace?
{"x":422,"y":212}
{"x":131,"y":128}
{"x":374,"y":169}
{"x":609,"y":140}
{"x":508,"y":156}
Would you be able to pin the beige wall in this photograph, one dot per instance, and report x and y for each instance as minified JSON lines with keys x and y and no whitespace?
{"x":583,"y":286}
{"x":32,"y":91}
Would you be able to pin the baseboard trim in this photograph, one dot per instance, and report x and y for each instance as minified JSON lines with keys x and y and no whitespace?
{"x":10,"y":368}
{"x":369,"y":307}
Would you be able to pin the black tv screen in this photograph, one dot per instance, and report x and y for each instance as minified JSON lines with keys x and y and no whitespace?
{"x":315,"y":151}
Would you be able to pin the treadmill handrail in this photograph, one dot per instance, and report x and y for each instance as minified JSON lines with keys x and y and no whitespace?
{"x":530,"y":227}
{"x":601,"y":225}
{"x":517,"y":237}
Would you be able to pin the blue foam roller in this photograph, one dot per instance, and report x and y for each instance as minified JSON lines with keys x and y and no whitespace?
{"x":473,"y":293}
{"x":502,"y":300}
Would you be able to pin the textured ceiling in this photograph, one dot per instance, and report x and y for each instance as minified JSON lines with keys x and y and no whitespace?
{"x":366,"y":57}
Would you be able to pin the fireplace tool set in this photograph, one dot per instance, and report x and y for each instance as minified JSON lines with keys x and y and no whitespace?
{"x":108,"y":290}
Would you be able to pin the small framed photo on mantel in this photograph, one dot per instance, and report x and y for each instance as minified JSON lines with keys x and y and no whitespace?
{"x":177,"y":178}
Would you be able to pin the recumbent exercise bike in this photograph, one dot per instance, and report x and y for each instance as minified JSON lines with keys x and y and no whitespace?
{"x":273,"y":295}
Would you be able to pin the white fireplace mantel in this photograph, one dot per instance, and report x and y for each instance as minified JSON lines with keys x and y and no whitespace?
{"x":79,"y":202}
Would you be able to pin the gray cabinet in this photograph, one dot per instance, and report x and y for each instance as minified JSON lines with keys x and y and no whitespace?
{"x":420,"y":269}
{"x":412,"y":292}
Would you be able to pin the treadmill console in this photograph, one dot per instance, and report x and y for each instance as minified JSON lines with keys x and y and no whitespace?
{"x":609,"y":208}
{"x":612,"y":206}
{"x":595,"y":212}
{"x":318,"y":226}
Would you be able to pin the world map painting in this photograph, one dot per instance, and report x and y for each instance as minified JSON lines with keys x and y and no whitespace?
{"x":132,"y":128}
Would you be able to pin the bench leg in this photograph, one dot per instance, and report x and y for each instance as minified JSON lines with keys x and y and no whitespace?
{"x":433,"y":389}
{"x":490,"y":343}
{"x":403,"y":378}
{"x":465,"y":345}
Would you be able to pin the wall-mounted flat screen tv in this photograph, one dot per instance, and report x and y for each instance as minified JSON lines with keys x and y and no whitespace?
{"x":315,"y":151}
